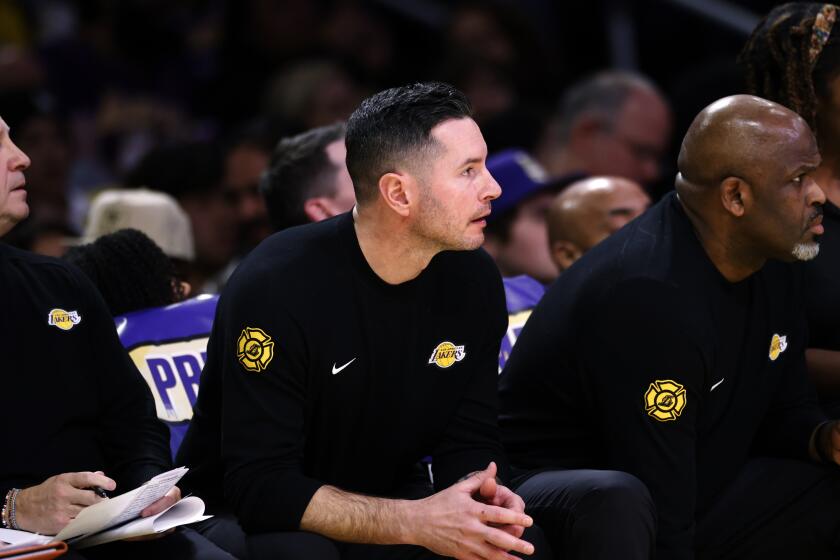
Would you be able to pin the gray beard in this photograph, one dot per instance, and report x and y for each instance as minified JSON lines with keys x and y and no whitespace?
{"x":805,"y":251}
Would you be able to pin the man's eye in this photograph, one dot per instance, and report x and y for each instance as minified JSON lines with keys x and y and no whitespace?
{"x":468,"y":171}
{"x":798,"y":179}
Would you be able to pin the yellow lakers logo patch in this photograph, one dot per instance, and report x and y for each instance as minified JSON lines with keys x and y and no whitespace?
{"x":254,"y":349}
{"x":778,"y":344}
{"x":64,"y":320}
{"x":665,"y":400}
{"x":445,"y":354}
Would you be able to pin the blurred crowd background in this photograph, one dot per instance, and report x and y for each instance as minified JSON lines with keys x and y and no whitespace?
{"x":192,"y":95}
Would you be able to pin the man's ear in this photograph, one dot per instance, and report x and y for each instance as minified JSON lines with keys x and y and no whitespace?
{"x":322,"y":207}
{"x":564,"y":254}
{"x":736,"y":196}
{"x":397,"y":190}
{"x":317,"y":208}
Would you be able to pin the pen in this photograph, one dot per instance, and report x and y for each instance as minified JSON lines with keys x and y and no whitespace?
{"x":98,"y":491}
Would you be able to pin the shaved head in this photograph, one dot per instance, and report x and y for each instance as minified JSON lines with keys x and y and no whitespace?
{"x":738,"y":136}
{"x":588,"y":211}
{"x":745,"y":181}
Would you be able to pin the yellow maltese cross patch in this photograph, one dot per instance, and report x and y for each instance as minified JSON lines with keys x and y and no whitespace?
{"x":665,"y":400}
{"x":254,"y":349}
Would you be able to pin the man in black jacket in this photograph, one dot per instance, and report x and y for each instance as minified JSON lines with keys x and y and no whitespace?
{"x":78,"y":414}
{"x":674,"y":351}
{"x":344,"y":352}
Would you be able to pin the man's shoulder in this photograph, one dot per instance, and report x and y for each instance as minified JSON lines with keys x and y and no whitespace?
{"x":656,"y":245}
{"x":48,"y":269}
{"x":301,"y":250}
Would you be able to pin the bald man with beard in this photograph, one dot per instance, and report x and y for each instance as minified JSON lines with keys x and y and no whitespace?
{"x":674,"y":351}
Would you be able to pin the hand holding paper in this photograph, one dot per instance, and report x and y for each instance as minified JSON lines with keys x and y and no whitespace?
{"x":167,"y":501}
{"x":49,"y":506}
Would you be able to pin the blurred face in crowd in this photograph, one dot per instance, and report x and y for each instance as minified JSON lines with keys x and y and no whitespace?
{"x":42,"y":137}
{"x":589,"y":211}
{"x":632,"y":146}
{"x":525,"y":250}
{"x":214,"y":228}
{"x":344,"y":196}
{"x":244,"y":167}
{"x":13,"y":162}
{"x":455,"y":188}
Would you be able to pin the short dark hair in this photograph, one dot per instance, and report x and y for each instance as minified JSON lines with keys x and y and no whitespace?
{"x":392,"y":126}
{"x":129,"y":270}
{"x":296,"y":172}
{"x":602,"y":94}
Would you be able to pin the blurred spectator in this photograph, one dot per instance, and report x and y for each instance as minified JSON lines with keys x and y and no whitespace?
{"x":359,"y":32}
{"x":793,"y":58}
{"x":130,"y":271}
{"x":516,"y":235}
{"x":307,"y":180}
{"x":156,"y":214}
{"x":614,"y":123}
{"x":193,"y":173}
{"x":501,"y":36}
{"x":246,"y":161}
{"x":587,"y":212}
{"x":582,"y":215}
{"x":489,"y":87}
{"x":312,"y":93}
{"x":268,"y":34}
{"x":42,"y":134}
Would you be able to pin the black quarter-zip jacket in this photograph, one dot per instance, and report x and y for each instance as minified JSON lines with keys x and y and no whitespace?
{"x":318,"y":372}
{"x":72,"y":400}
{"x":643,"y":358}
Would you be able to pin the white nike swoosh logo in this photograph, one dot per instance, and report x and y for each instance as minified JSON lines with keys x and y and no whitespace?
{"x":715,"y":386}
{"x":336,"y":370}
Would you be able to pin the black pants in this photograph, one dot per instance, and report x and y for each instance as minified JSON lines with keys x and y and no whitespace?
{"x":590,"y":514}
{"x":306,"y":546}
{"x":776,"y":509}
{"x":183,"y":544}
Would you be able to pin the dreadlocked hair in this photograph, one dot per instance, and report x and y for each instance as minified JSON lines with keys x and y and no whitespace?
{"x":129,"y":270}
{"x":776,"y":59}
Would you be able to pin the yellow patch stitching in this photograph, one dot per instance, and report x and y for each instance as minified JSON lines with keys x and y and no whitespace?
{"x":254,"y":349}
{"x":665,"y":400}
{"x":446,"y":353}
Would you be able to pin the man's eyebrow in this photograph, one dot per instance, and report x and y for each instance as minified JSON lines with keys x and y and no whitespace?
{"x":805,"y":168}
{"x":471,"y":160}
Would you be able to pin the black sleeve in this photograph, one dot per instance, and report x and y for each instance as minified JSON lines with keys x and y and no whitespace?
{"x":264,"y":398}
{"x":644,"y":369}
{"x":794,"y":413}
{"x":134,"y":441}
{"x":471,"y":439}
